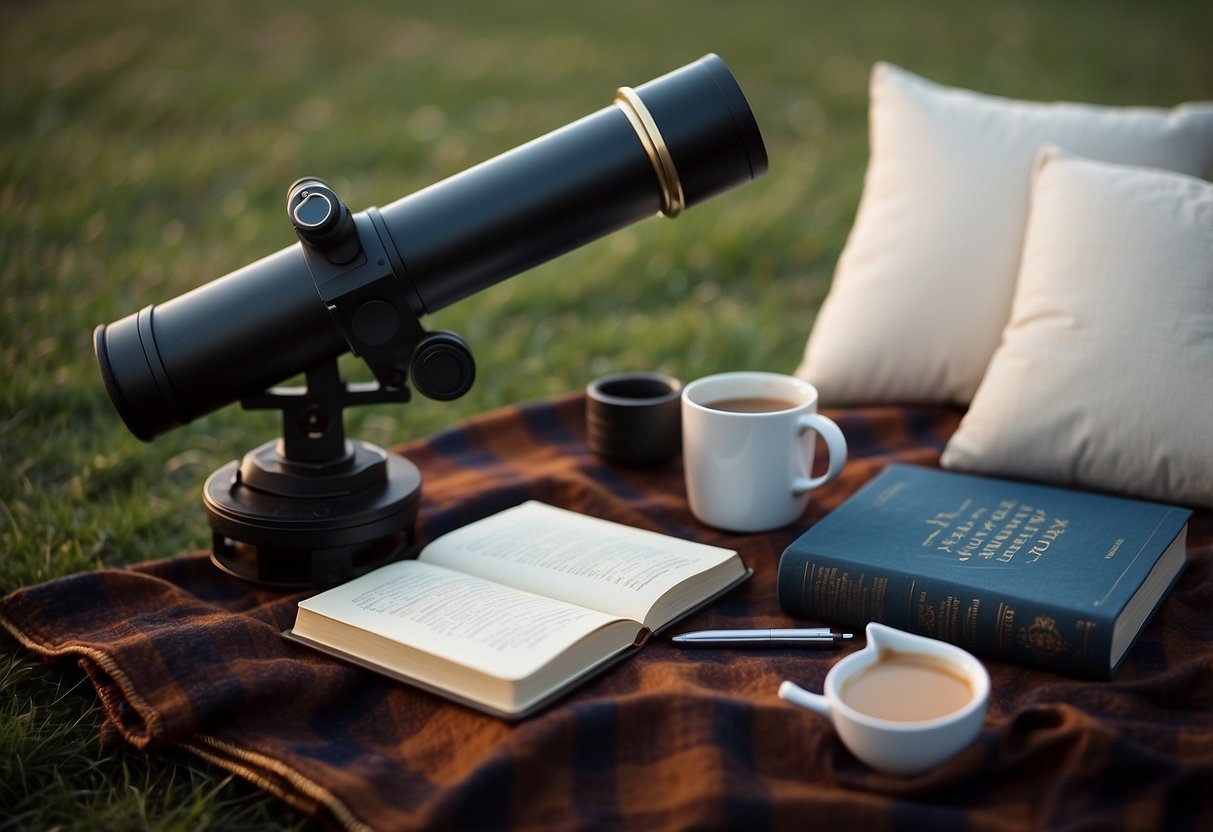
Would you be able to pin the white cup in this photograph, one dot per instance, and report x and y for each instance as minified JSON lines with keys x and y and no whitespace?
{"x":751,"y":471}
{"x":899,"y":746}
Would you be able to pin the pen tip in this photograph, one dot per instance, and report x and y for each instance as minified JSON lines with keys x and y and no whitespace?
{"x":845,"y":636}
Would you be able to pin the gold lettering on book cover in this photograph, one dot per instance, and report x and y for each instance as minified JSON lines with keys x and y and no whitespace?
{"x":926,"y":615}
{"x":1004,"y":629}
{"x":970,"y":621}
{"x":943,"y":521}
{"x":879,"y":587}
{"x":888,"y":494}
{"x":1056,"y":530}
{"x":858,"y":598}
{"x":949,"y":616}
{"x":821,"y":581}
{"x":825,"y":591}
{"x":994,"y":534}
{"x":838,"y":594}
{"x":846,"y":592}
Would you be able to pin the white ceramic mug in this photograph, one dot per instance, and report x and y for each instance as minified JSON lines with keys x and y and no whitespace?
{"x":751,"y":471}
{"x":899,"y":746}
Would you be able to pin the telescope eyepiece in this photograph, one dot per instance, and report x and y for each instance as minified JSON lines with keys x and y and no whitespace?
{"x":312,"y":211}
{"x":322,"y":220}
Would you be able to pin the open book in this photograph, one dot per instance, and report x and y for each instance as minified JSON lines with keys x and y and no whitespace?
{"x":509,"y":612}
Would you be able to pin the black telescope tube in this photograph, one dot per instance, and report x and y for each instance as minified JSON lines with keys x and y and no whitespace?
{"x":574,"y":185}
{"x":664,"y":146}
{"x":172,"y":362}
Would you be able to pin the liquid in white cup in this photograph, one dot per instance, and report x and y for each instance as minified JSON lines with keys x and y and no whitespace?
{"x":903,"y":704}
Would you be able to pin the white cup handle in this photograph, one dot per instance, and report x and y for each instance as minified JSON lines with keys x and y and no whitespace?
{"x":794,"y":693}
{"x":836,"y":444}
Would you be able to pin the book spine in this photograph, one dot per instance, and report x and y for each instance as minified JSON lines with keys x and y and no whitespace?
{"x":1005,"y":627}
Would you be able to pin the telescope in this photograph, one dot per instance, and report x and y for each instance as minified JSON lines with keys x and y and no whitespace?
{"x":313,"y":508}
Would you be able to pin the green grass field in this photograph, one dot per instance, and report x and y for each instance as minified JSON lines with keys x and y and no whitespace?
{"x":145,"y":148}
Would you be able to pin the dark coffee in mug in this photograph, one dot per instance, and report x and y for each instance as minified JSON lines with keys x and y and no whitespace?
{"x":753,"y":404}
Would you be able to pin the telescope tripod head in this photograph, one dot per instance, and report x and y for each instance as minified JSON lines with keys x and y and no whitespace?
{"x":313,"y":508}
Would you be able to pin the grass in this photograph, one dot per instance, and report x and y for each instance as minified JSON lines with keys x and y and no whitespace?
{"x":145,"y":148}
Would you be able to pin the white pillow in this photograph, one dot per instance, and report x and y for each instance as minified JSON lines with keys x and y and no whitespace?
{"x":923,"y":287}
{"x":1104,"y":377}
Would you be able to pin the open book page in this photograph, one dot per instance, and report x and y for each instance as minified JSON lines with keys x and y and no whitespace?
{"x":497,"y":630}
{"x":584,"y":560}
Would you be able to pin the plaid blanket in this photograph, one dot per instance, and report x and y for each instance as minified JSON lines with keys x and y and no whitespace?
{"x":182,"y":655}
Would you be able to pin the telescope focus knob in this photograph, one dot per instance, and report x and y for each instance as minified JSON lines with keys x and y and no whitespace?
{"x":442,"y":367}
{"x":322,"y":220}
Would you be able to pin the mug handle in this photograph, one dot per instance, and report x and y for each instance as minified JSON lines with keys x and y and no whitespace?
{"x":815,"y":702}
{"x":836,"y":444}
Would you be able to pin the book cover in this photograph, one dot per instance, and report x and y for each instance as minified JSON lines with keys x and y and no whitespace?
{"x":1044,"y":576}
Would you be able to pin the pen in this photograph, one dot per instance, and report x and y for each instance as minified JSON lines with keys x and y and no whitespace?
{"x":816,"y":638}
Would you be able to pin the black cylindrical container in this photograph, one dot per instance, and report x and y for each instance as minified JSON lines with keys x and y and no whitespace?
{"x":666,"y":145}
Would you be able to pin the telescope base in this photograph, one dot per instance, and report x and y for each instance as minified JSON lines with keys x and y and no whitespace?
{"x":307,"y":539}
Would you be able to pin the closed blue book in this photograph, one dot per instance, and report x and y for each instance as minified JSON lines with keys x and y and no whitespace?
{"x":1057,"y":579}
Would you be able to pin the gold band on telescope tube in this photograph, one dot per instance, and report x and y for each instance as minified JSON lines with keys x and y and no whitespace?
{"x":672,"y":198}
